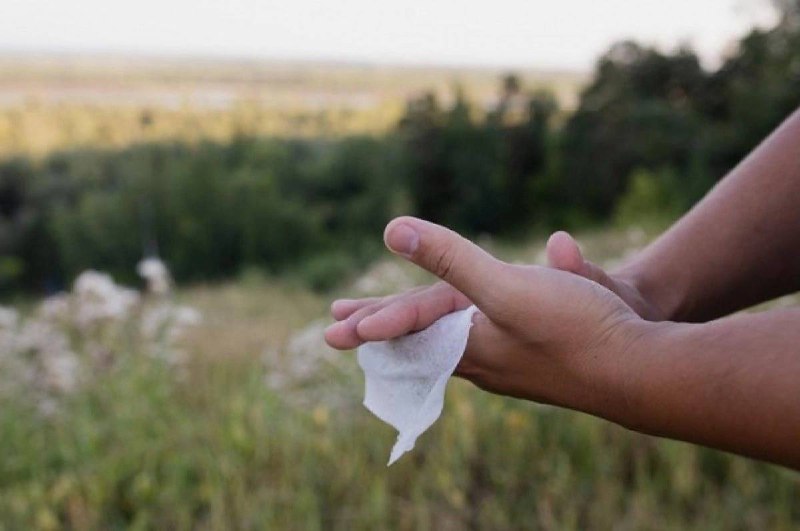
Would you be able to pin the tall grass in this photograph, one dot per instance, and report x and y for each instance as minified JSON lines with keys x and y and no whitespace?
{"x":215,"y":447}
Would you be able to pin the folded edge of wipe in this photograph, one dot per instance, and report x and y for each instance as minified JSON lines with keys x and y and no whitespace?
{"x":405,"y":378}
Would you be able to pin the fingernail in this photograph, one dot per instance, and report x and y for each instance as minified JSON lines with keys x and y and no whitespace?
{"x":402,"y":239}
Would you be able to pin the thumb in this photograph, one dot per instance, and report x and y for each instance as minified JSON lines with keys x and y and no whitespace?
{"x":449,"y":256}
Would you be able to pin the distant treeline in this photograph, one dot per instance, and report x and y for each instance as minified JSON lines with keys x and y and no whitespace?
{"x":652,"y":132}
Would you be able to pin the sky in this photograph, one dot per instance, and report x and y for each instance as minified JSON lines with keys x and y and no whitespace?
{"x":561,"y":34}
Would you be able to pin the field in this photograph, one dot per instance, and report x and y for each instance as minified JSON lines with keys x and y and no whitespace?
{"x":52,"y":102}
{"x":258,"y":425}
{"x":213,"y":403}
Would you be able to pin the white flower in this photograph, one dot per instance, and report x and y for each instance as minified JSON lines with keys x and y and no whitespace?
{"x":187,"y":316}
{"x":307,"y":354}
{"x":155,"y":320}
{"x":100,"y":299}
{"x":385,"y":277}
{"x":156,"y":274}
{"x":72,"y":338}
{"x":60,"y":373}
{"x":55,"y":308}
{"x":9,"y":317}
{"x":303,"y":371}
{"x":168,"y":322}
{"x":43,"y":359}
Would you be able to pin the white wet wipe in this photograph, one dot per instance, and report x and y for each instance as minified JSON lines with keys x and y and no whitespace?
{"x":406,"y":377}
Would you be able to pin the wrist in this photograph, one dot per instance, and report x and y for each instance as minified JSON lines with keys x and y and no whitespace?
{"x":631,"y":355}
{"x":663,"y":298}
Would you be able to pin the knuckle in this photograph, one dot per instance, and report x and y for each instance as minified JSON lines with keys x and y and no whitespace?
{"x":441,"y":289}
{"x":445,"y":262}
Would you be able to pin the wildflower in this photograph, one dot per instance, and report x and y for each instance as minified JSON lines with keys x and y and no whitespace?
{"x":100,"y":299}
{"x":156,"y":274}
{"x":307,"y":349}
{"x":55,"y":308}
{"x":48,"y":350}
{"x":385,"y":277}
{"x":166,"y":321}
{"x":303,"y":373}
{"x":8,"y":317}
{"x":74,"y":338}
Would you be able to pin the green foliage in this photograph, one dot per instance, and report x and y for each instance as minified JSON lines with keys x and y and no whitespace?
{"x":637,"y":113}
{"x":212,"y":208}
{"x":646,"y":109}
{"x":643,"y":110}
{"x":215,"y":448}
{"x":650,"y":197}
{"x":209,"y":210}
{"x":477,"y":175}
{"x":326,"y":271}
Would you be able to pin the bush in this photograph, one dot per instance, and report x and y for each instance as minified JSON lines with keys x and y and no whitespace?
{"x":209,"y":210}
{"x":651,"y":197}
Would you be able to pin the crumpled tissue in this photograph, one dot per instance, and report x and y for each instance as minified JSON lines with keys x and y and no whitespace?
{"x":406,"y":377}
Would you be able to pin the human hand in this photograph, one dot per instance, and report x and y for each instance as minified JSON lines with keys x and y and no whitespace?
{"x":418,"y":308}
{"x":563,"y":253}
{"x":541,"y":334}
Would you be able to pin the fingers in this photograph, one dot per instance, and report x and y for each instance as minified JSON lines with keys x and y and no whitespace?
{"x":563,"y":253}
{"x":446,"y":254}
{"x":343,"y":335}
{"x":412,"y":313}
{"x":396,"y":315}
{"x":596,"y":273}
{"x":343,"y":308}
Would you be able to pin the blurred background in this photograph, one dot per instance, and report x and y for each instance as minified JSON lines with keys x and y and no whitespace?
{"x":185,"y":185}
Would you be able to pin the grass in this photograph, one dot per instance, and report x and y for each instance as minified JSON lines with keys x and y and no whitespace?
{"x":214,"y":447}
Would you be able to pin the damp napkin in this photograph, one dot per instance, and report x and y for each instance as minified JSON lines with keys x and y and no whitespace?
{"x":405,"y":378}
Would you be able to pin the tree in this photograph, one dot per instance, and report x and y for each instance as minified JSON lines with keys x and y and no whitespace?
{"x":638,"y":112}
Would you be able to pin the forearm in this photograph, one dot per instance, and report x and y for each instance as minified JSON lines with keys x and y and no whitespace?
{"x":731,"y":384}
{"x":738,"y":246}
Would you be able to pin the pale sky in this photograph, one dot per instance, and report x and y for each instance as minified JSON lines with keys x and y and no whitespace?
{"x":520,"y":33}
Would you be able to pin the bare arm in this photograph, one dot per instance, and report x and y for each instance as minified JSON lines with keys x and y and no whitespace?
{"x":555,"y":337}
{"x":732,"y":384}
{"x":739,"y":246}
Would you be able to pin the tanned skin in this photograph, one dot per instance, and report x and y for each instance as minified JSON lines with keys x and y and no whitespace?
{"x":647,"y":346}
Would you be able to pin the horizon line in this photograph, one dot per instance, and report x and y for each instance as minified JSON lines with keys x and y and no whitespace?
{"x":265,"y":59}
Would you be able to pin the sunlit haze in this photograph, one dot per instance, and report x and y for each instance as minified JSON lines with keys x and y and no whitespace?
{"x":567,"y":34}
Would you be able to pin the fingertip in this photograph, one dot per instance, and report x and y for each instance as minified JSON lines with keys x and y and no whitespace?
{"x":559,"y":235}
{"x":340,"y":307}
{"x":401,"y":237}
{"x":560,"y":239}
{"x":341,"y":337}
{"x":331,"y":336}
{"x":563,"y":252}
{"x":410,"y":220}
